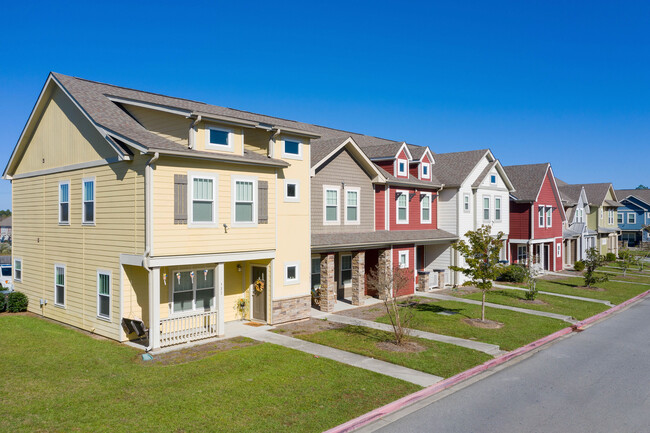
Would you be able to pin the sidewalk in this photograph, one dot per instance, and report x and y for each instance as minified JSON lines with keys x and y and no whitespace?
{"x":578,"y":298}
{"x":499,"y":306}
{"x":490,"y":349}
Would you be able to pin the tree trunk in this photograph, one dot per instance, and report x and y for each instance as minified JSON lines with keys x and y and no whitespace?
{"x":483,"y":308}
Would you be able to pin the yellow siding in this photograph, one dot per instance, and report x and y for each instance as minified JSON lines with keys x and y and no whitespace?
{"x":41,"y":242}
{"x":178,"y":239}
{"x":63,"y":136}
{"x":237,"y":137}
{"x":257,"y":141}
{"x":166,"y":125}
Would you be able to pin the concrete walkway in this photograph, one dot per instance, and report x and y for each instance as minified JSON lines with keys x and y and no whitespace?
{"x":577,"y":298}
{"x":386,"y":368}
{"x":499,"y":306}
{"x":629,"y":282}
{"x":490,"y":349}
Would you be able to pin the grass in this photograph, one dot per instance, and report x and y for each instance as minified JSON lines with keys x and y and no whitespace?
{"x":440,"y":359}
{"x":613,"y":291}
{"x":519,"y":328}
{"x":569,"y":307}
{"x":58,"y":379}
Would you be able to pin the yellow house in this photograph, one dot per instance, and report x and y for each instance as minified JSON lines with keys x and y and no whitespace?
{"x":133,"y":207}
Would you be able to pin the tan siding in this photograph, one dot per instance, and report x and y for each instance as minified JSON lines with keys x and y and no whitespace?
{"x":63,"y":136}
{"x":343,"y":168}
{"x":170,"y":126}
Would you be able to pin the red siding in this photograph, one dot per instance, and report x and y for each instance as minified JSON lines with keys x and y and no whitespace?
{"x":413,"y":210}
{"x":402,"y":155}
{"x":414,"y":170}
{"x":519,"y":221}
{"x":547,"y":198}
{"x":410,"y":287}
{"x":380,"y":207}
{"x":558,"y":260}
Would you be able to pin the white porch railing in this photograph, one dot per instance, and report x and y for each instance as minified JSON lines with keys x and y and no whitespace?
{"x":182,"y":329}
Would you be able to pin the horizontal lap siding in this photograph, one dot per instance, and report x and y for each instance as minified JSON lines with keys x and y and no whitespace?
{"x":519,"y":220}
{"x":547,"y":198}
{"x":413,"y":209}
{"x":409,"y":287}
{"x":166,"y":125}
{"x":380,"y":207}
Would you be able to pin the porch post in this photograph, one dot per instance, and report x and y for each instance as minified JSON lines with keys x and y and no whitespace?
{"x":221,"y":327}
{"x":327,"y":283}
{"x":385,"y":266}
{"x":154,"y":308}
{"x":358,"y":277}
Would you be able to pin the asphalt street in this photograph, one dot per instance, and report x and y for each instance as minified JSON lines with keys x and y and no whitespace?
{"x":594,"y":381}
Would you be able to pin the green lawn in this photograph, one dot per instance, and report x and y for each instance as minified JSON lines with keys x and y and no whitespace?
{"x":613,"y":291}
{"x":519,"y":328}
{"x":440,"y":359}
{"x":632,"y":278}
{"x":569,"y":307}
{"x":58,"y":379}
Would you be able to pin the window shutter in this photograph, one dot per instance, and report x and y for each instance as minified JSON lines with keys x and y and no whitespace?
{"x":180,"y":199}
{"x":263,"y":202}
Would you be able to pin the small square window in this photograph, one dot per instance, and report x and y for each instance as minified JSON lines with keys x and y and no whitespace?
{"x":291,"y":191}
{"x":493,"y":179}
{"x":401,"y":167}
{"x":403,"y":259}
{"x":218,"y":138}
{"x":292,"y":149}
{"x":291,"y":273}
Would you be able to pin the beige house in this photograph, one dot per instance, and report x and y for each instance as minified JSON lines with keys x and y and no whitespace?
{"x":133,"y":205}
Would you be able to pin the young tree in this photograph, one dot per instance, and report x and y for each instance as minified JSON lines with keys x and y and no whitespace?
{"x":627,"y":259}
{"x":389,"y":283}
{"x":593,"y":261}
{"x":481,"y":254}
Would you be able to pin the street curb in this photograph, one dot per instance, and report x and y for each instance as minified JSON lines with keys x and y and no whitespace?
{"x":396,"y":405}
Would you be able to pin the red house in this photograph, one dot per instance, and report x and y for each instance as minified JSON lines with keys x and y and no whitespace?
{"x":536,"y":217}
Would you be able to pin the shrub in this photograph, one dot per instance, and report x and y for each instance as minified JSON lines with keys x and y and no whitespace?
{"x":610,"y":257}
{"x":17,"y":302}
{"x":513,"y":274}
{"x":579,"y":266}
{"x":3,"y":302}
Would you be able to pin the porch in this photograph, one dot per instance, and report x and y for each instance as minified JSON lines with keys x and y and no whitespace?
{"x":540,"y":254}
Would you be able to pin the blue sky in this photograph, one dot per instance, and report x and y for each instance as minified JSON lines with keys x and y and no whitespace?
{"x":563,"y":82}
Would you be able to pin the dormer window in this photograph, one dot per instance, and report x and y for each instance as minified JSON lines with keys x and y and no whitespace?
{"x":426,"y":167}
{"x":219,"y":139}
{"x":401,"y":167}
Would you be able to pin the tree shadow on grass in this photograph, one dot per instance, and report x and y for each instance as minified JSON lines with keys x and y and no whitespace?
{"x":369,"y":333}
{"x":433,"y":308}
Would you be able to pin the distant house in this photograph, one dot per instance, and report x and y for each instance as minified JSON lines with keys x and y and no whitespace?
{"x":5,"y":229}
{"x":577,"y":236}
{"x":633,"y":216}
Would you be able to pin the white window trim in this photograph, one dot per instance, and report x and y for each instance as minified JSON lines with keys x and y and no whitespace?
{"x":338,"y":205}
{"x":397,"y":195}
{"x":601,"y":212}
{"x":287,"y":265}
{"x":610,"y":217}
{"x":466,"y":196}
{"x":500,"y":208}
{"x":406,"y":167}
{"x":426,"y":175}
{"x":525,"y":255}
{"x":65,"y":182}
{"x":110,"y":291}
{"x":295,"y":182}
{"x":234,"y":180}
{"x":559,"y":249}
{"x":620,"y":216}
{"x":228,"y":148}
{"x":400,"y":254}
{"x":541,"y":218}
{"x":495,"y":179}
{"x":489,"y":201}
{"x":65,"y":284}
{"x":22,"y":269}
{"x":196,"y":273}
{"x":292,"y":155}
{"x":358,"y":191}
{"x":341,"y":270}
{"x":311,"y":274}
{"x":190,"y":198}
{"x":83,"y":202}
{"x":633,"y":215}
{"x":425,"y":194}
{"x":549,"y":216}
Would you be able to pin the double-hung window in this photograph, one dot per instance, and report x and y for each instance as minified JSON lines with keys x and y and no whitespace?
{"x":203,"y":203}
{"x":425,"y":207}
{"x":549,"y":216}
{"x":402,"y":207}
{"x":466,"y":202}
{"x":331,"y":205}
{"x":631,"y":218}
{"x":244,"y":200}
{"x":346,"y":270}
{"x":600,"y":212}
{"x":18,"y":269}
{"x":64,"y":202}
{"x":522,"y":254}
{"x":610,"y":216}
{"x":619,"y":218}
{"x":579,"y":215}
{"x":88,"y":209}
{"x":59,"y":285}
{"x":219,"y":139}
{"x":403,"y":259}
{"x":486,"y":208}
{"x":497,"y":208}
{"x":315,"y":272}
{"x":352,"y":206}
{"x":104,"y":294}
{"x":540,"y":212}
{"x":193,"y":290}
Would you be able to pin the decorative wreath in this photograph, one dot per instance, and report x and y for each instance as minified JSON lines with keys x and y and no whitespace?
{"x":259,"y":286}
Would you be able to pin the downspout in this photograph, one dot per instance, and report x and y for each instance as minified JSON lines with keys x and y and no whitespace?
{"x":277,"y":132}
{"x":191,"y":139}
{"x":148,"y":226}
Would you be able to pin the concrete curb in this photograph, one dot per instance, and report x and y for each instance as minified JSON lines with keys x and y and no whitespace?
{"x":396,"y":405}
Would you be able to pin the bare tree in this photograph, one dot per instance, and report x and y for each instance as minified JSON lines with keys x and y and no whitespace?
{"x":389,"y":283}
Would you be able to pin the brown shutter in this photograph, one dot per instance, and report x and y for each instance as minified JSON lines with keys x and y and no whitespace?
{"x":180,"y":199}
{"x":263,"y":202}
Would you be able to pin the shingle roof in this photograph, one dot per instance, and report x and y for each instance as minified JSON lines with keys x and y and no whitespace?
{"x":323,"y":241}
{"x":453,"y":168}
{"x":484,"y":173}
{"x":323,"y":147}
{"x":569,"y":193}
{"x":411,"y":181}
{"x":641,"y":194}
{"x":596,"y":192}
{"x":527,"y":179}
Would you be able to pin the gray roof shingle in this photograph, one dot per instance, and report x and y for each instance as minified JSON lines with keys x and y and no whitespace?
{"x":569,"y":193}
{"x":527,"y":180}
{"x":641,"y":194}
{"x":453,"y":168}
{"x":323,"y":241}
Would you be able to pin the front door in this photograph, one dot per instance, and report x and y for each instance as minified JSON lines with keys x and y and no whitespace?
{"x":259,"y":287}
{"x":546,"y":257}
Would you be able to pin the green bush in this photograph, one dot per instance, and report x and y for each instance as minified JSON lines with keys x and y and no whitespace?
{"x":513,"y":274}
{"x":17,"y":302}
{"x":610,"y":257}
{"x":579,"y":266}
{"x":3,"y":302}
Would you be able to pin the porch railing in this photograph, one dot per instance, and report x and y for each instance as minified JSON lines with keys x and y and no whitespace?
{"x":182,"y":329}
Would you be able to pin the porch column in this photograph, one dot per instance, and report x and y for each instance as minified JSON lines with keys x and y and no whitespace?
{"x":154,"y":308}
{"x":327,"y":283}
{"x":358,"y":277}
{"x":384,"y":265}
{"x":221,"y":327}
{"x":531,"y":255}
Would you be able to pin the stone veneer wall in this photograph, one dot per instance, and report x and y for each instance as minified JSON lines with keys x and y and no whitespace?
{"x":291,"y":309}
